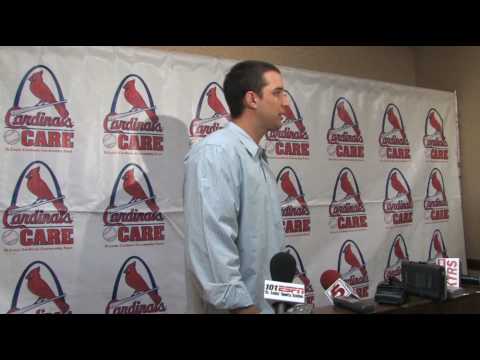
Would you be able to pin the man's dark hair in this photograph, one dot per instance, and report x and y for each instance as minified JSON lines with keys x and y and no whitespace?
{"x":242,"y":77}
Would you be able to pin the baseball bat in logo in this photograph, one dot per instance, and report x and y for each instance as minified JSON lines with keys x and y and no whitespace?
{"x":133,"y":216}
{"x":436,"y":147}
{"x":437,"y":248}
{"x":393,"y":140}
{"x":39,"y":118}
{"x":344,"y":137}
{"x":212,"y":113}
{"x":295,"y":211}
{"x":347,"y":210}
{"x":291,"y":141}
{"x":132,"y":125}
{"x":135,"y":290}
{"x":37,"y":217}
{"x":352,"y":267}
{"x":301,"y":276}
{"x":398,"y":253}
{"x":435,"y":204}
{"x":38,"y":291}
{"x":398,"y":202}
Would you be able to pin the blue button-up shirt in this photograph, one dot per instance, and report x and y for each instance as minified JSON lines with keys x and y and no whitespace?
{"x":233,"y":222}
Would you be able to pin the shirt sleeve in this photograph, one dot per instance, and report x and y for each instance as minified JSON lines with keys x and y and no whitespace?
{"x":211,"y":206}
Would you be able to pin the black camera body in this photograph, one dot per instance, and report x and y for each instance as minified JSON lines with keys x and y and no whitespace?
{"x":424,"y":280}
{"x":391,"y":292}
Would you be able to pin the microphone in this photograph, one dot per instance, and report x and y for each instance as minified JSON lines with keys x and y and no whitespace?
{"x":334,"y":285}
{"x":342,"y":295}
{"x":328,"y":278}
{"x":283,"y":268}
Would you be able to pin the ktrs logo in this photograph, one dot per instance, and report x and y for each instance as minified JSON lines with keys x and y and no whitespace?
{"x":437,"y":248}
{"x":436,"y":147}
{"x":39,"y":118}
{"x":295,"y":211}
{"x":301,"y":276}
{"x":132,"y":124}
{"x":211,"y":115}
{"x":345,"y":140}
{"x":394,"y":144}
{"x":135,"y":290}
{"x":347,"y":210}
{"x":398,"y":203}
{"x":291,"y":140}
{"x":398,"y":253}
{"x":352,"y":267}
{"x":38,"y":291}
{"x":37,"y":216}
{"x":133,"y":215}
{"x":435,"y":204}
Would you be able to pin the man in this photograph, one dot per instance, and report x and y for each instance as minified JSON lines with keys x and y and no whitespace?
{"x":232,"y":209}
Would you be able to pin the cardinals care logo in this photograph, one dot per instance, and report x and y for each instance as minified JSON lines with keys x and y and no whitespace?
{"x":394,"y":145}
{"x":398,"y":202}
{"x":132,"y":125}
{"x":344,"y":138}
{"x":133,"y":217}
{"x":352,"y":268}
{"x":435,"y":204}
{"x":212,"y":113}
{"x":39,"y":119}
{"x":347,"y":211}
{"x":37,"y":218}
{"x":398,"y":253}
{"x":291,"y":140}
{"x":436,"y":147}
{"x":301,"y":276}
{"x":437,"y":248}
{"x":38,"y":291}
{"x":135,"y":290}
{"x":295,"y":211}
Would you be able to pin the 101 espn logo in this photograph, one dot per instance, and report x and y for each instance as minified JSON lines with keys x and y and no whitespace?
{"x":282,"y":291}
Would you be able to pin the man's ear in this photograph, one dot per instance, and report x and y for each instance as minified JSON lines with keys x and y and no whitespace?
{"x":250,"y":100}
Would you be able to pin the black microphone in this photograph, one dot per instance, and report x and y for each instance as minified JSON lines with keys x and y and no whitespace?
{"x":283,"y":268}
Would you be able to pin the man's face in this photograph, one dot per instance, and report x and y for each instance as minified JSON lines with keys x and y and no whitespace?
{"x":271,"y":104}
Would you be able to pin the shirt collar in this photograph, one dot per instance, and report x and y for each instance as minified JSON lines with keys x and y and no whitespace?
{"x":252,"y":147}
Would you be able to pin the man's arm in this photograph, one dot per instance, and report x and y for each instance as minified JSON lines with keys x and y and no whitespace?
{"x":211,"y":205}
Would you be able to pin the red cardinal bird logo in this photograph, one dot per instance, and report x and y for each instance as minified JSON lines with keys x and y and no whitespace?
{"x":436,"y":124}
{"x":215,"y":103}
{"x":352,"y":260}
{"x":43,"y":92}
{"x":135,"y":190}
{"x":40,"y":288}
{"x":395,"y":122}
{"x":289,"y":189}
{"x":348,"y":189}
{"x":289,"y":116}
{"x":398,"y":250}
{"x":437,"y":185}
{"x":138,"y":284}
{"x":398,"y":186}
{"x":438,"y":246}
{"x":134,"y":98}
{"x":345,"y":117}
{"x":40,"y":189}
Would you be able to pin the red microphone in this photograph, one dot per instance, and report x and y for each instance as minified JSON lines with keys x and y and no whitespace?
{"x":334,"y":286}
{"x":328,"y":278}
{"x":341,"y":294}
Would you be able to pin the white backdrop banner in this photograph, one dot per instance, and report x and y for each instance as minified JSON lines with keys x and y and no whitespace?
{"x":93,"y":141}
